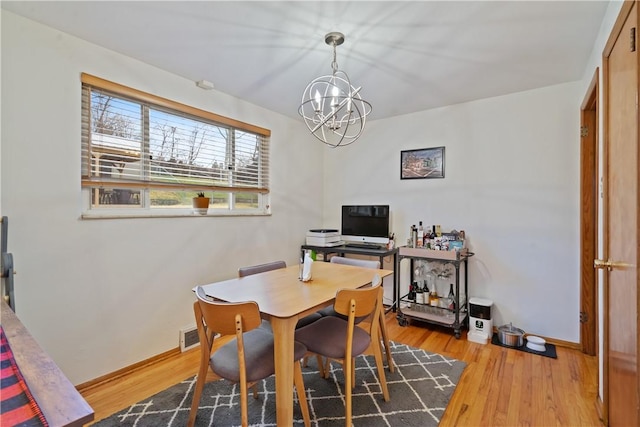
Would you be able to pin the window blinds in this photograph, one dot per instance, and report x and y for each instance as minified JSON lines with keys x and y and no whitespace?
{"x":137,"y":140}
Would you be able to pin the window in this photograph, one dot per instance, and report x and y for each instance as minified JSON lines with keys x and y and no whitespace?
{"x":144,"y":155}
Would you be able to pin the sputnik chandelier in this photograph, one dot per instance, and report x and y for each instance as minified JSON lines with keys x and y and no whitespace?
{"x":332,"y":108}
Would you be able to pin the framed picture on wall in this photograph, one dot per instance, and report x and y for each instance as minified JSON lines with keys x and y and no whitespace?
{"x":422,"y":163}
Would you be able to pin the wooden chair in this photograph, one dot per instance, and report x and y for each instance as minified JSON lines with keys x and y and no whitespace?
{"x":261,"y":268}
{"x":330,"y":311}
{"x":245,"y":359}
{"x":274,"y":265}
{"x":342,"y":340}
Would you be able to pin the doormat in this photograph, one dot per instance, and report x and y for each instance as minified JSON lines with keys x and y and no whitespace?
{"x":550,"y":349}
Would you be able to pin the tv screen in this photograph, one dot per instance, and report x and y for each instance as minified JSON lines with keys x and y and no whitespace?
{"x":365,"y":224}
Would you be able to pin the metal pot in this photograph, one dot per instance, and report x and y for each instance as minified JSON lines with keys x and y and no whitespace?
{"x":510,"y":336}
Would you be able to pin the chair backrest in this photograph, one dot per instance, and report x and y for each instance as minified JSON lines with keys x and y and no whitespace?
{"x":261,"y":268}
{"x":356,"y":303}
{"x":223,"y":317}
{"x":357,"y":262}
{"x":366,"y":300}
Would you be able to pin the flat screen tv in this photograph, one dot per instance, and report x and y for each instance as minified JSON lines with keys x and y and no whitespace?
{"x":365,"y":224}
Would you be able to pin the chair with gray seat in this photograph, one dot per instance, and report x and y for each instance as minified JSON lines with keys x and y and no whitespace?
{"x":261,"y":268}
{"x":330,"y":311}
{"x":245,"y":359}
{"x":342,"y":340}
{"x":269,"y":266}
{"x":364,"y":263}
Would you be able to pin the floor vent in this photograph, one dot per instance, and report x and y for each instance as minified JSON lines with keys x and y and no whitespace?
{"x":189,"y":338}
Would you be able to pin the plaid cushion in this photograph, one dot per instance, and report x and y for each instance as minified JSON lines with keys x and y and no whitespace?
{"x":17,"y":406}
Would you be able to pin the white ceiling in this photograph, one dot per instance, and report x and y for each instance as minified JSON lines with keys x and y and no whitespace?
{"x":407,"y":56}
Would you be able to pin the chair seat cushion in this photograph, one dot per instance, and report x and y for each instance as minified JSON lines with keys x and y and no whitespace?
{"x":330,"y":311}
{"x":328,"y":337}
{"x":266,"y":325}
{"x":307,"y":320}
{"x":258,"y":354}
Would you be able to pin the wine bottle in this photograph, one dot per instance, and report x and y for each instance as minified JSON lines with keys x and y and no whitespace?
{"x":420,"y":239}
{"x":412,"y":292}
{"x":419,"y":294}
{"x":452,"y":297}
{"x":425,"y":293}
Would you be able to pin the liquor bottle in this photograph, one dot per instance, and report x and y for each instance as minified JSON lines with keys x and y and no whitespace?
{"x":433,"y":298}
{"x":414,"y":235}
{"x":420,"y":239}
{"x":452,"y":297}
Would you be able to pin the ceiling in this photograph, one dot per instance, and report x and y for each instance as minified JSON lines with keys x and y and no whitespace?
{"x":407,"y":56}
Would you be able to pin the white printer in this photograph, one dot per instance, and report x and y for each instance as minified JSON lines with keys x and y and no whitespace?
{"x":324,"y":237}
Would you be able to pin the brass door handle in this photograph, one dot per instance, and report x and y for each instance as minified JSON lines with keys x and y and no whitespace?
{"x":610,"y":265}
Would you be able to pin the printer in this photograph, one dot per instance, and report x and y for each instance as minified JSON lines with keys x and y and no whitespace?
{"x":325,"y":237}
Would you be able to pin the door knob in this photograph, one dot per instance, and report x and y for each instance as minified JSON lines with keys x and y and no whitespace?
{"x":610,"y":265}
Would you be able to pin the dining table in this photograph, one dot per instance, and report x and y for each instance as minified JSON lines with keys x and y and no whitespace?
{"x":283,"y":298}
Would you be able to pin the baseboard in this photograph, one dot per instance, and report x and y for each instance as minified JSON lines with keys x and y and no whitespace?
{"x":86,"y":386}
{"x":561,"y":343}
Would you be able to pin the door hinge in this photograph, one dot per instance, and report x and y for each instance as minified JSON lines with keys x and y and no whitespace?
{"x":632,"y":41}
{"x":584,"y":317}
{"x":584,"y":131}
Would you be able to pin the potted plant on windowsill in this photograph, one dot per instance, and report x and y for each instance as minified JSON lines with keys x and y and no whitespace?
{"x":201,"y":204}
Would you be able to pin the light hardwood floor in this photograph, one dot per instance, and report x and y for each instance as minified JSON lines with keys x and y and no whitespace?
{"x":499,"y":387}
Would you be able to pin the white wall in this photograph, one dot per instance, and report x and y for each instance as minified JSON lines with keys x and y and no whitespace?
{"x":99,"y":295}
{"x":511,"y":182}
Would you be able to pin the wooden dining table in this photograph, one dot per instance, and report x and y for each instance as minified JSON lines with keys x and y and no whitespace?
{"x":283,"y":299}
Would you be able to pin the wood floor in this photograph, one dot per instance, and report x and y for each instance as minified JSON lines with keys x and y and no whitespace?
{"x":499,"y":387}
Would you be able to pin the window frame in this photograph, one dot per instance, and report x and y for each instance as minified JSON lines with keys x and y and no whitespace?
{"x":148,"y":101}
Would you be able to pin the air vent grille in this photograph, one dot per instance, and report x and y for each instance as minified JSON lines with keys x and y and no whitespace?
{"x":189,"y":338}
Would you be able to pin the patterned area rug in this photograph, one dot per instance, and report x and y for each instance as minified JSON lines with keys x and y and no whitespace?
{"x":420,"y":389}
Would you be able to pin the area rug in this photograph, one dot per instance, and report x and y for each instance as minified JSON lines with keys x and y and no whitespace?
{"x":420,"y":389}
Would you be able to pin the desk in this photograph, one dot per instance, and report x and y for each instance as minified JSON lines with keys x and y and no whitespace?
{"x":380,"y":252}
{"x":283,"y":299}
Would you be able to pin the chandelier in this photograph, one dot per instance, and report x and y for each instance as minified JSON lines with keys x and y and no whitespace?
{"x":331,"y":107}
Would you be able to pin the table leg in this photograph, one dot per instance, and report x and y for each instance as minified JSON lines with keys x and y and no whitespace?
{"x":283,"y":336}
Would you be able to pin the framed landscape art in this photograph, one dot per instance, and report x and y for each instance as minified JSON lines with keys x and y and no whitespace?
{"x":423,"y":163}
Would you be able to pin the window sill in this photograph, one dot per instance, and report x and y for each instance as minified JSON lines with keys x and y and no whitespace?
{"x":166,"y":213}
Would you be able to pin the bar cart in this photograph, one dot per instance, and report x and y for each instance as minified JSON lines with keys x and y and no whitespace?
{"x":449,"y":313}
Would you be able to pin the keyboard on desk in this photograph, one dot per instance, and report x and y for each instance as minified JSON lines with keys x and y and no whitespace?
{"x":363,"y":246}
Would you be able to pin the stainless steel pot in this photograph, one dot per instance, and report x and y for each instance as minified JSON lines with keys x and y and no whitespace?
{"x":510,"y":336}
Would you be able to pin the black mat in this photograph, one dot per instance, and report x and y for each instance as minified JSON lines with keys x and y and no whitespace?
{"x":549,"y":352}
{"x":419,"y":389}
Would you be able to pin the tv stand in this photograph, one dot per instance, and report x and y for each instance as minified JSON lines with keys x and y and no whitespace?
{"x":362,"y":249}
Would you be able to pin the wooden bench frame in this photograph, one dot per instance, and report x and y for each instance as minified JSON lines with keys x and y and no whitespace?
{"x":60,"y":402}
